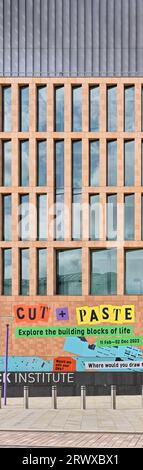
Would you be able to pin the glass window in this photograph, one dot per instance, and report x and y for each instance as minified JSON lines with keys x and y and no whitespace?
{"x":94,"y":112}
{"x":142,"y":216}
{"x":24,"y":271}
{"x":112,"y":163}
{"x":24,"y":163}
{"x":24,"y":108}
{"x":69,"y":272}
{"x":42,"y":108}
{"x":59,"y":189}
{"x":134,"y":272}
{"x":129,"y":162}
{"x":142,"y":111}
{"x":112,"y":217}
{"x":77,"y":190}
{"x":6,"y":219}
{"x":112,"y":108}
{"x":94,"y":162}
{"x":129,"y":217}
{"x":129,"y":99}
{"x":104,"y":272}
{"x":142,"y":163}
{"x":24,"y":217}
{"x":6,"y":163}
{"x":42,"y":216}
{"x":42,"y":271}
{"x":94,"y":217}
{"x":59,"y":109}
{"x":7,"y":271}
{"x":42,"y":163}
{"x":77,"y":108}
{"x":6,"y":108}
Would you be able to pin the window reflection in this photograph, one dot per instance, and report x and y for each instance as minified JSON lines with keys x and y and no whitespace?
{"x":129,"y":217}
{"x":24,"y":108}
{"x":94,"y":162}
{"x":129,"y":162}
{"x":112,"y":163}
{"x":134,"y":272}
{"x":94,"y":108}
{"x":24,"y":271}
{"x":94,"y":217}
{"x":69,"y":272}
{"x":112,"y":108}
{"x":42,"y":108}
{"x":42,"y":216}
{"x":77,"y":108}
{"x":6,"y":217}
{"x":129,"y":100}
{"x":59,"y":109}
{"x":7,"y":271}
{"x":41,"y":162}
{"x":42,"y":271}
{"x":6,"y":163}
{"x":6,"y":108}
{"x":104,"y":272}
{"x":24,"y":163}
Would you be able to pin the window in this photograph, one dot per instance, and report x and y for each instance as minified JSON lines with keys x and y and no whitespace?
{"x":77,"y":108}
{"x":24,"y":271}
{"x":77,"y":190}
{"x":142,"y":163}
{"x":104,"y":272}
{"x":94,"y":112}
{"x":129,"y":217}
{"x":42,"y":216}
{"x":42,"y":163}
{"x":112,"y":217}
{"x":42,"y":271}
{"x":112,"y":163}
{"x":6,"y":216}
{"x":69,"y":272}
{"x":129,"y":162}
{"x":142,"y":216}
{"x":7,"y":271}
{"x":59,"y":189}
{"x":24,"y":108}
{"x":134,"y":272}
{"x":112,"y":108}
{"x":94,"y":162}
{"x":129,"y":102}
{"x":24,"y":163}
{"x":94,"y":217}
{"x":24,"y":217}
{"x":6,"y":108}
{"x":42,"y":108}
{"x":59,"y":108}
{"x":142,"y":110}
{"x":6,"y":163}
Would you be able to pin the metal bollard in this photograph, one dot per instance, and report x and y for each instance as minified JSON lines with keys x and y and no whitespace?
{"x":113,"y":397}
{"x":0,"y":395}
{"x":54,"y":397}
{"x":26,"y":397}
{"x":83,"y":397}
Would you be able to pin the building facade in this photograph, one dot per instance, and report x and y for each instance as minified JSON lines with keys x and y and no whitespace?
{"x":71,"y":191}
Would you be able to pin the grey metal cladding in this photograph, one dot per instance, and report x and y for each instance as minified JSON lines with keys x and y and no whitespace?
{"x":71,"y":38}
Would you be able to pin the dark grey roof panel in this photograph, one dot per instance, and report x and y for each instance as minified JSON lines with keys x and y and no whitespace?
{"x":71,"y":38}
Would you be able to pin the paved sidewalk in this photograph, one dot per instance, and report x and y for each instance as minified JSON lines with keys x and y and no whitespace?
{"x":98,"y":417}
{"x":67,"y":439}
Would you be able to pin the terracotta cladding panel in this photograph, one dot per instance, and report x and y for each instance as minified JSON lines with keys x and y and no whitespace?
{"x":49,"y":347}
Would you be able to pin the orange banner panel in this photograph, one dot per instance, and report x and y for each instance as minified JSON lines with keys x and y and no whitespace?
{"x":64,"y":364}
{"x":31,"y":313}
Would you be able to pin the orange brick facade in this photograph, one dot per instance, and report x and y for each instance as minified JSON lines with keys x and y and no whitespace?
{"x":51,"y":348}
